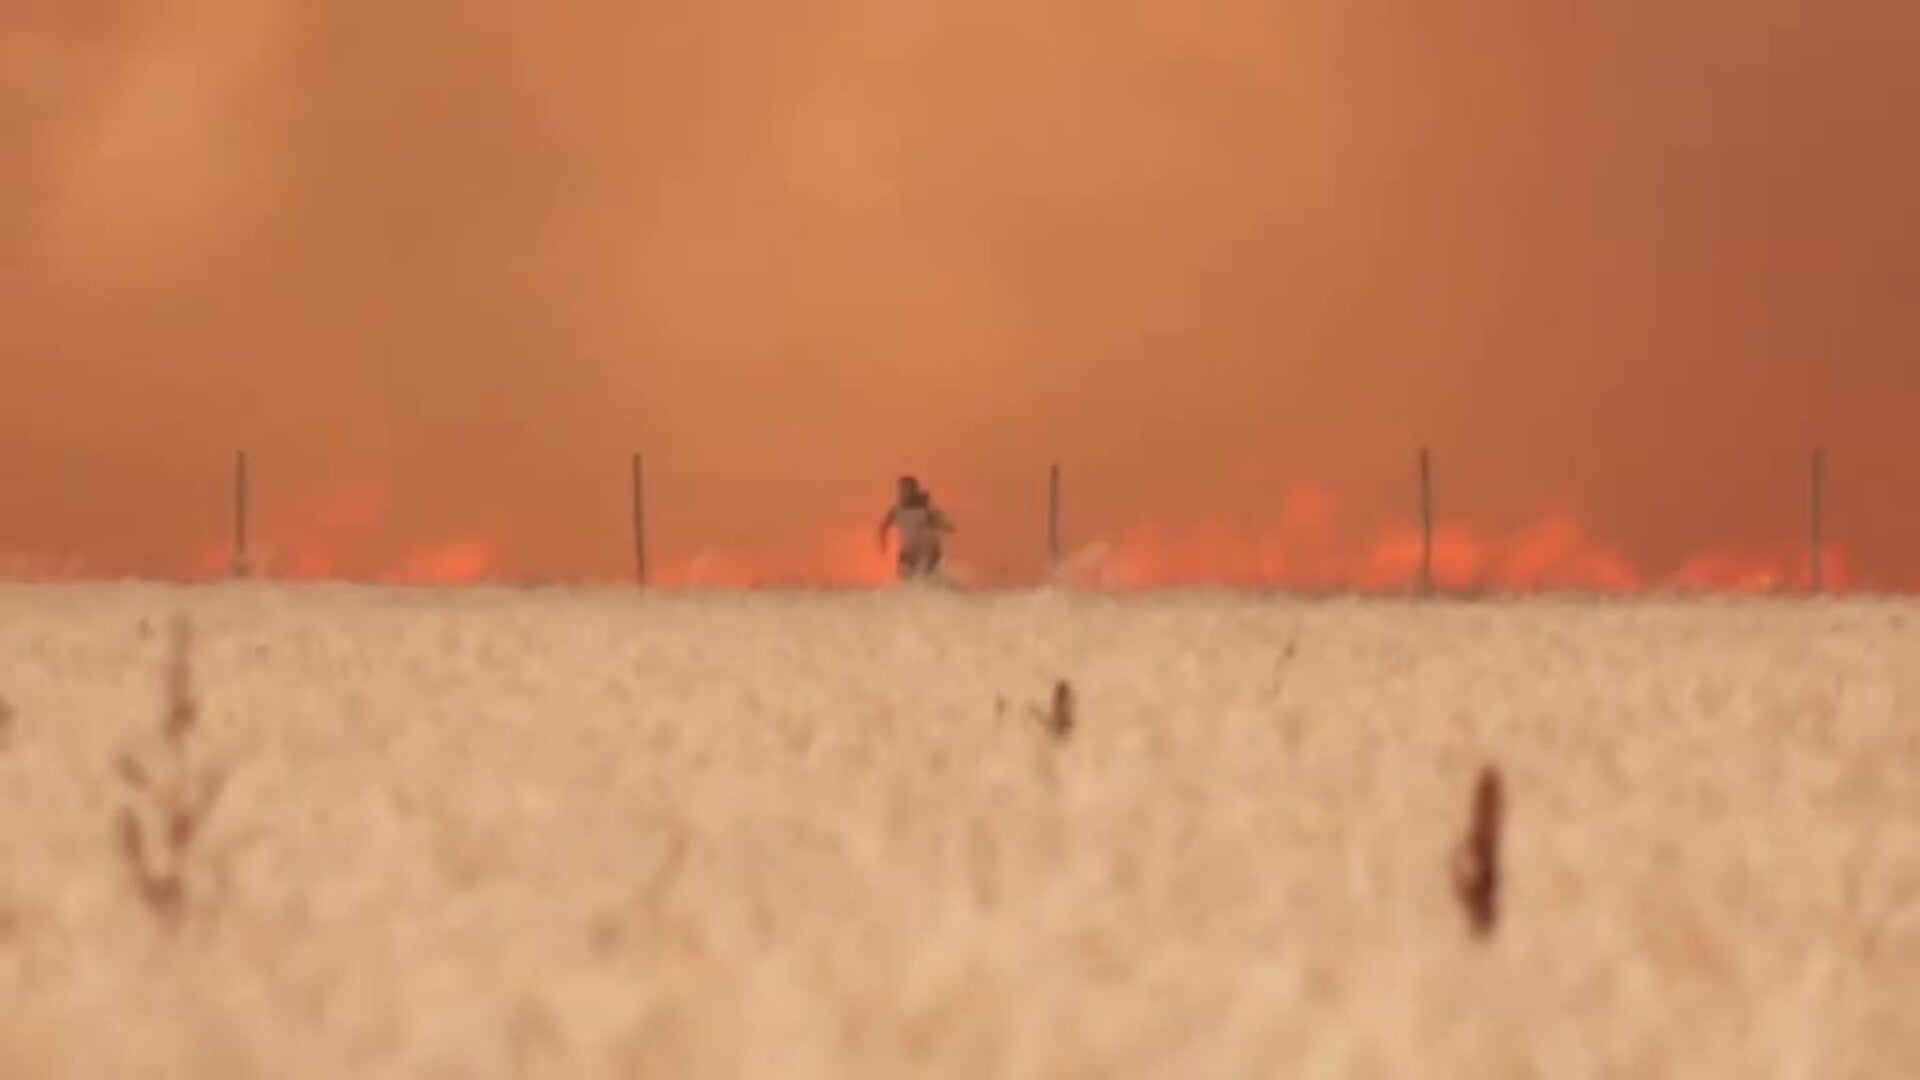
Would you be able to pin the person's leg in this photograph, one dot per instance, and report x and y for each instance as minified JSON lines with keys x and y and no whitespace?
{"x":913,"y":559}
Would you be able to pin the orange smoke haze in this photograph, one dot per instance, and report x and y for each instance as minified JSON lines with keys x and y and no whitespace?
{"x":441,"y":268}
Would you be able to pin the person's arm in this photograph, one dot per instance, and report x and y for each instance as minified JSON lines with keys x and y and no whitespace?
{"x":886,"y":523}
{"x":941,"y":521}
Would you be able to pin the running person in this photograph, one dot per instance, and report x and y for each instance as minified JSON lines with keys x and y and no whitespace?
{"x":920,"y":525}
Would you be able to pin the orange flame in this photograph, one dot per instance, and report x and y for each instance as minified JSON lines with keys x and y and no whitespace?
{"x":337,"y":536}
{"x":851,"y":558}
{"x":1552,"y":553}
{"x":1301,"y":547}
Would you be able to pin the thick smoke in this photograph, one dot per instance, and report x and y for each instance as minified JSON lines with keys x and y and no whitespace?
{"x":1623,"y":261}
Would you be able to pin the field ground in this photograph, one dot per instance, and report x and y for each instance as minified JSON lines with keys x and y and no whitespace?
{"x":582,"y":834}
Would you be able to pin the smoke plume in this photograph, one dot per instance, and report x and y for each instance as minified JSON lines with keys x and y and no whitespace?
{"x":1618,"y":264}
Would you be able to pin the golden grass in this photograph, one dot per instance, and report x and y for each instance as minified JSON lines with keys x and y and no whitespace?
{"x":499,"y":834}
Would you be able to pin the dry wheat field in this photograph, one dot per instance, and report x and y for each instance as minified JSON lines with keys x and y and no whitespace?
{"x":542,"y":833}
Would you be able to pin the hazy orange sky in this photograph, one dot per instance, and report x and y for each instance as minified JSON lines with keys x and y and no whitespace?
{"x":1627,"y":261}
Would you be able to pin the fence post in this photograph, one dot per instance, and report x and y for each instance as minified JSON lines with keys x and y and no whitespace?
{"x":1816,"y":524}
{"x":1426,"y":522}
{"x":1053,"y":523}
{"x":241,"y":567}
{"x":639,"y":524}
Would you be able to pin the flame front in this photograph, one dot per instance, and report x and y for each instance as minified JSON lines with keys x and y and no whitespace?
{"x":1552,"y":552}
{"x":1302,"y":546}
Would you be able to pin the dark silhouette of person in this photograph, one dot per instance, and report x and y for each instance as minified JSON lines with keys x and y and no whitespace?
{"x":920,"y":525}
